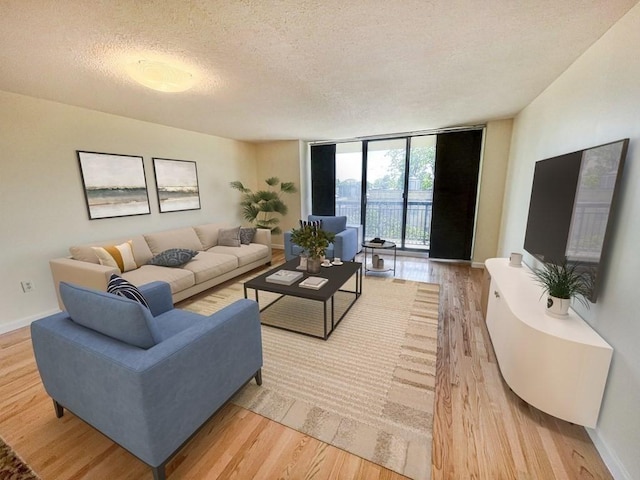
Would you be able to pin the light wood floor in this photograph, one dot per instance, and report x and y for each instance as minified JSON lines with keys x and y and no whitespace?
{"x":481,"y":429}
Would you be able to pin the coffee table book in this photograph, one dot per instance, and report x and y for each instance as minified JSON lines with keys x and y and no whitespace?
{"x":284,"y":277}
{"x":315,"y":283}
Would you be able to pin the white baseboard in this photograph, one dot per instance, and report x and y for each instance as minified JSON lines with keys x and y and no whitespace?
{"x":477,"y":264}
{"x":609,"y":458}
{"x":23,"y":322}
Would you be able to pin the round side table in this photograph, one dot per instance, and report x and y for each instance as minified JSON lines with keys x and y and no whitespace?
{"x":373,"y":246}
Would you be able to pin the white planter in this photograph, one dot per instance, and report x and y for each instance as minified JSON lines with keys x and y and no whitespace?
{"x":558,"y":307}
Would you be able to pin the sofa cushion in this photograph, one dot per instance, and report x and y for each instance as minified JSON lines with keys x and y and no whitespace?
{"x":210,"y":265}
{"x":246,"y":254}
{"x":111,"y":315}
{"x":229,"y":237}
{"x":247,"y":234}
{"x":119,"y":286}
{"x":119,"y":256}
{"x":333,"y":224}
{"x":177,"y":278}
{"x":174,"y":257}
{"x":208,"y":234}
{"x":179,"y":238}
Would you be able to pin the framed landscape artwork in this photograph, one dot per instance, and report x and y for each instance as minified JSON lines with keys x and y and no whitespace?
{"x":176,"y":184}
{"x":114,"y":185}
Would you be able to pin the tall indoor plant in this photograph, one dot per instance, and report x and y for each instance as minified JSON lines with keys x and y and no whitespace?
{"x":562,"y":282}
{"x":264,"y":207}
{"x":314,"y":240}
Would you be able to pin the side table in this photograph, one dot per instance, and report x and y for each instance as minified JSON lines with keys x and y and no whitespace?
{"x":373,"y":246}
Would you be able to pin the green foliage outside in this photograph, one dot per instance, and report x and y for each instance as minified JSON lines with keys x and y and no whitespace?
{"x":265,"y":207}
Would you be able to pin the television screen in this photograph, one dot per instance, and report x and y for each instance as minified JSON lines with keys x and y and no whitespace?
{"x":571,"y":202}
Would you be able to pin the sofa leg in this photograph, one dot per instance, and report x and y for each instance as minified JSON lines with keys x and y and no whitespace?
{"x":159,"y":473}
{"x":59,"y":409}
{"x":258,"y":377}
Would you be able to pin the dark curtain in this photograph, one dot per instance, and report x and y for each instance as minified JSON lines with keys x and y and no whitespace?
{"x":454,"y":194}
{"x":323,"y":179}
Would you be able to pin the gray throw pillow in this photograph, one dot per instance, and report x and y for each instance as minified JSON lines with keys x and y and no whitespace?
{"x":174,"y":257}
{"x":247,"y":234}
{"x":229,"y":237}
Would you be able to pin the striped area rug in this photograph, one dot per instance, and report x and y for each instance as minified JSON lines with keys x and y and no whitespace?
{"x":369,"y":389}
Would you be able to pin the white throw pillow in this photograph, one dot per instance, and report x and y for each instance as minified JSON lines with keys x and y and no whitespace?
{"x":119,"y":256}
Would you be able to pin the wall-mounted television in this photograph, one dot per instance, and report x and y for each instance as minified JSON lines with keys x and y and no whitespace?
{"x":572,"y":199}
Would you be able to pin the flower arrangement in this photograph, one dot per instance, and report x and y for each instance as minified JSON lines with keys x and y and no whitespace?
{"x":312,"y":238}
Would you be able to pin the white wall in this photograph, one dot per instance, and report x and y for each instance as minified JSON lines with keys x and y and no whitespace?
{"x":42,"y":206}
{"x":282,"y":160}
{"x":597,"y":100}
{"x":497,"y":141}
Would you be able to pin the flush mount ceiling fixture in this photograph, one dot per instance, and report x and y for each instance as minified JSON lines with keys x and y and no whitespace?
{"x":160,"y":76}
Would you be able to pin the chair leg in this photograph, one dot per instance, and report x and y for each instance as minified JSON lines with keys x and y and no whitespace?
{"x":258,"y":377}
{"x":159,"y":473}
{"x":59,"y":409}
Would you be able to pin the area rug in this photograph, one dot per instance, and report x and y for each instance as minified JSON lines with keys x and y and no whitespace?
{"x":368,"y":389}
{"x":12,"y":467}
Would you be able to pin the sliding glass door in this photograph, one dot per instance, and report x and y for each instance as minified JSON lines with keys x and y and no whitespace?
{"x":384,"y":201}
{"x":394,"y":188}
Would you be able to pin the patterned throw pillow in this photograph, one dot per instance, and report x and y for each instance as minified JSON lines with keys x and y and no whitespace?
{"x":174,"y":257}
{"x":119,"y":286}
{"x":229,"y":237}
{"x":119,"y":256}
{"x":247,"y":234}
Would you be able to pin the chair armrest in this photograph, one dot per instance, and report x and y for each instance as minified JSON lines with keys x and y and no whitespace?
{"x":345,"y":244}
{"x":149,"y":401}
{"x":86,"y":274}
{"x":288,"y":245}
{"x":158,"y":296}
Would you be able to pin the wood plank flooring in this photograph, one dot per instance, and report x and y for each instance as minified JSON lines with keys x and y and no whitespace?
{"x":481,"y":429}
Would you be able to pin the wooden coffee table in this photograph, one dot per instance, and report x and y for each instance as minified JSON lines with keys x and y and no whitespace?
{"x":336,"y":275}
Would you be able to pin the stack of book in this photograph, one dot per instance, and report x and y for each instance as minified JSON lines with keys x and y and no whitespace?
{"x":284,"y":277}
{"x":315,"y":283}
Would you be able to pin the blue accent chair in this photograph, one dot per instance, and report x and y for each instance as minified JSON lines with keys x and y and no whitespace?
{"x":147,"y":379}
{"x":345,"y":246}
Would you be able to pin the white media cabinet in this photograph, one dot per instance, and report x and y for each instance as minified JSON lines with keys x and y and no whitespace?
{"x":558,"y":365}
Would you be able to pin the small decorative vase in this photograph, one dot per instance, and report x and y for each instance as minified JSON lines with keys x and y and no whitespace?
{"x":558,"y":307}
{"x":313,"y":265}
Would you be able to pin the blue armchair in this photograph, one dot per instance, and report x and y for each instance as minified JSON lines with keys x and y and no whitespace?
{"x":146,"y":378}
{"x":345,"y":246}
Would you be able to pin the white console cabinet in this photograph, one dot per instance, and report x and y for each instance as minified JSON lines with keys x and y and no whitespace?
{"x":558,"y":365}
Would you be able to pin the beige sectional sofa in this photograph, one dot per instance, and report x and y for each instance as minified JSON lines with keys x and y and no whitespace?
{"x":213,"y":264}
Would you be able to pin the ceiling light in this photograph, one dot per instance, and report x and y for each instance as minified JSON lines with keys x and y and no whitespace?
{"x":160,"y":76}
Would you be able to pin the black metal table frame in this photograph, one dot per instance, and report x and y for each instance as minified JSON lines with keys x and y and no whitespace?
{"x":302,"y":291}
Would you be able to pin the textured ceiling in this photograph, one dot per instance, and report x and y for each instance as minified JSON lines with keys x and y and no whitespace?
{"x":300,"y":69}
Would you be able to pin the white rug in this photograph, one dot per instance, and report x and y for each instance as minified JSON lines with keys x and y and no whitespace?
{"x":368,"y":389}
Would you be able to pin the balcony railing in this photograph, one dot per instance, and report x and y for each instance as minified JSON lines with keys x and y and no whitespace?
{"x":384,"y":220}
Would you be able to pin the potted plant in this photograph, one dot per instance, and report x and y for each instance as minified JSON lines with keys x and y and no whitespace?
{"x":562,"y":283}
{"x":314,"y":240}
{"x":260,"y":207}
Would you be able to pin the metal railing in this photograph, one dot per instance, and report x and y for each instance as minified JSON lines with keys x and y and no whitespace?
{"x":384,"y":220}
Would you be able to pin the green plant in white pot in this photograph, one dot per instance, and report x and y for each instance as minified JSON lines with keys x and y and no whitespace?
{"x":562,"y":283}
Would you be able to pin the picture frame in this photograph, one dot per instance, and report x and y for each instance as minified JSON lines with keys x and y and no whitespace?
{"x":176,"y":184}
{"x":115,"y":185}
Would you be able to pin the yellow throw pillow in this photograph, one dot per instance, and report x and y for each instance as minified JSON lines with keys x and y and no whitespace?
{"x":119,"y":256}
